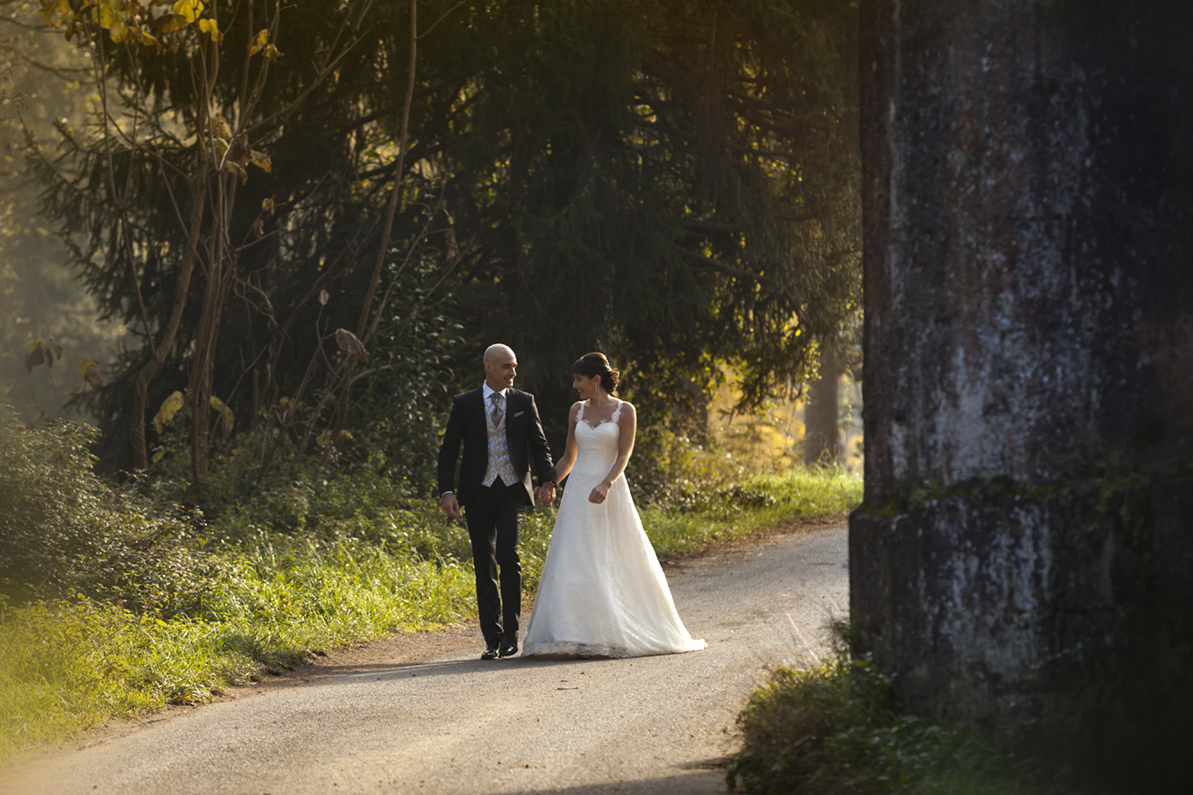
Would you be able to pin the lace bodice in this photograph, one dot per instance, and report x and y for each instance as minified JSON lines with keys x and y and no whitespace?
{"x":596,"y":445}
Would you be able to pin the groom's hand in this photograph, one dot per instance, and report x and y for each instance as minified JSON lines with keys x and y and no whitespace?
{"x":451,"y":505}
{"x":546,"y":494}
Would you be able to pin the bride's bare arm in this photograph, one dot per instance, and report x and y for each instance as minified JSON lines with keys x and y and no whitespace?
{"x":565,"y":464}
{"x":628,"y":424}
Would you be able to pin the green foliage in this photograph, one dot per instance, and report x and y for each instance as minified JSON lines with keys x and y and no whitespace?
{"x":64,"y":531}
{"x":833,"y":729}
{"x":67,"y":666}
{"x":691,"y":495}
{"x":737,"y":509}
{"x":674,"y":181}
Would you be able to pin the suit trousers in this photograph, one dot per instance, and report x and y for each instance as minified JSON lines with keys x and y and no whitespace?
{"x":494,"y":517}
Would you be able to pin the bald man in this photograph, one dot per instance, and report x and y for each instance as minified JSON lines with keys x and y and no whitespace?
{"x":501,"y":432}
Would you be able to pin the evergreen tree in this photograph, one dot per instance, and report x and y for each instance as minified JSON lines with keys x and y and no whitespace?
{"x":673,"y":181}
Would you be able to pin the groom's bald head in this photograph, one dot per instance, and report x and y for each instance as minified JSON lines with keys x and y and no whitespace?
{"x":498,"y":352}
{"x":501,"y":365}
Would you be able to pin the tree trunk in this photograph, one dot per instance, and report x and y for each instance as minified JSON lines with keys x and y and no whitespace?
{"x":822,"y":430}
{"x":1029,"y":352}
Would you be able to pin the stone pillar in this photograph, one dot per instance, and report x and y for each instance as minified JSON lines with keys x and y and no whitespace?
{"x":1028,"y":222}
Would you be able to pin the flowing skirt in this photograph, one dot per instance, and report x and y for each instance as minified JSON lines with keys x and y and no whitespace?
{"x":603,"y":592}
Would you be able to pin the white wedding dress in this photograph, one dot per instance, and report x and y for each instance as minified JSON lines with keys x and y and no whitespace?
{"x":602,"y":593}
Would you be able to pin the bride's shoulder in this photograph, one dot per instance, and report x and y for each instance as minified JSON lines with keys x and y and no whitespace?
{"x":575,"y":409}
{"x":627,"y":409}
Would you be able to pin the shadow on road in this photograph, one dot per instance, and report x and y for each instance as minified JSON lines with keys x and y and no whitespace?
{"x":704,"y":779}
{"x":389,"y":670}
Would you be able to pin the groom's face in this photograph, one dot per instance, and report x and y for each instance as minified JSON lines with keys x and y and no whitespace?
{"x":500,"y":370}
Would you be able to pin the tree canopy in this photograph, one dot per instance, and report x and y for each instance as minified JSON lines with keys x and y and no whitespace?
{"x":672,"y":181}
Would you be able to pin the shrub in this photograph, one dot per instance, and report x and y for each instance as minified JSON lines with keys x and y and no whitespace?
{"x":670,"y":470}
{"x":833,"y":729}
{"x":63,"y":531}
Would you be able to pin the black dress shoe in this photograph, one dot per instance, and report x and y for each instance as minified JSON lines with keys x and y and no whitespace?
{"x":490,"y":652}
{"x":509,"y":646}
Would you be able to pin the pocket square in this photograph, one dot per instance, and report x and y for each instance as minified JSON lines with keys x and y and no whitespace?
{"x":518,"y":414}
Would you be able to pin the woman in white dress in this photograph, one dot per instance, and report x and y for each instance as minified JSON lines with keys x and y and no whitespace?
{"x":602,"y":592}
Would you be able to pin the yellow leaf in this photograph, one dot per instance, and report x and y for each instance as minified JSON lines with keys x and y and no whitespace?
{"x":261,"y":161}
{"x":209,"y":27}
{"x":259,"y":41}
{"x":109,"y":16}
{"x":150,"y":41}
{"x":158,"y":456}
{"x":38,"y":354}
{"x":272,"y":53}
{"x":220,"y":125}
{"x":189,"y":9}
{"x":267,"y":205}
{"x":47,"y":14}
{"x":284,"y":401}
{"x":225,"y":412}
{"x":170,"y":407}
{"x":235,"y":168}
{"x":88,"y":370}
{"x":168,"y":23}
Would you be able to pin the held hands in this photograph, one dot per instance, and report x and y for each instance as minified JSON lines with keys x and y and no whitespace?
{"x":451,"y":505}
{"x":599,"y":493}
{"x":546,"y":494}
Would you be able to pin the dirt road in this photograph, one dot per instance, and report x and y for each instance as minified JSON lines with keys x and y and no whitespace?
{"x":424,"y":714}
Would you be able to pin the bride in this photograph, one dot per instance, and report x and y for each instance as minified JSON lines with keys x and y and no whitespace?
{"x":602,"y":592}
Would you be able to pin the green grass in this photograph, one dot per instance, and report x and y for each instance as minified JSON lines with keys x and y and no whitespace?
{"x":832,"y":730}
{"x":266,"y":600}
{"x":68,"y":666}
{"x":760,"y":501}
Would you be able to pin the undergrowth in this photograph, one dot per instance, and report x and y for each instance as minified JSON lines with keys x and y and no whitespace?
{"x":114,"y":600}
{"x":832,"y":730}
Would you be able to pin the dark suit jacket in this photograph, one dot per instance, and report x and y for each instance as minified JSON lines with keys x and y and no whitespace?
{"x":467,"y":423}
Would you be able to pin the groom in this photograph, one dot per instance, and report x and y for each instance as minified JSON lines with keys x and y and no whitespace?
{"x":501,"y":431}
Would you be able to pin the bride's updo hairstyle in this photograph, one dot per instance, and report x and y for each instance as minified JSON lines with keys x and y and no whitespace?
{"x":594,"y":365}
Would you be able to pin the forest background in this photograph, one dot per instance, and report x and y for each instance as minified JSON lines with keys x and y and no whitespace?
{"x":259,"y":246}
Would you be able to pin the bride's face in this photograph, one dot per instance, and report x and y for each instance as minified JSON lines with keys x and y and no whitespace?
{"x":587,"y":386}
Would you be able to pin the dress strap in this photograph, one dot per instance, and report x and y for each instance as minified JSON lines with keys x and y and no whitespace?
{"x":617,"y":412}
{"x":580,"y":413}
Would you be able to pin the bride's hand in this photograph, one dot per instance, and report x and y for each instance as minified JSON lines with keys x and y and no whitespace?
{"x":599,"y":493}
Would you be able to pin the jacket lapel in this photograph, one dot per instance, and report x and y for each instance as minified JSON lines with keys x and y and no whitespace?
{"x":482,"y":417}
{"x":511,"y":408}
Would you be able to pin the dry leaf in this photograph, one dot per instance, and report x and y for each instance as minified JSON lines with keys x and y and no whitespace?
{"x":349,"y":343}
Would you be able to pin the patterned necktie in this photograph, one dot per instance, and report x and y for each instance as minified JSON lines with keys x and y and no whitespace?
{"x":496,"y":413}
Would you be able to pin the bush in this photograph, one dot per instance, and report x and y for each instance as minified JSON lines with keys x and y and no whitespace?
{"x":833,"y":729}
{"x":669,"y":470}
{"x":63,"y":531}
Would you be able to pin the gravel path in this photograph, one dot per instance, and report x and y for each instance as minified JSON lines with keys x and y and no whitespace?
{"x":423,"y":714}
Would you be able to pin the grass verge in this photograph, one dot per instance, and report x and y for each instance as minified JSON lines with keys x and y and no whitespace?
{"x":70,"y":665}
{"x":267,"y":599}
{"x":754,"y":503}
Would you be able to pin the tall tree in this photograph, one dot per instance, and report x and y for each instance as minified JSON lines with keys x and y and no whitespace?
{"x":673,"y":181}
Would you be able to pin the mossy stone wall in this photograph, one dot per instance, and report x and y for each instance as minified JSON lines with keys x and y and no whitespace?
{"x":1028,"y":221}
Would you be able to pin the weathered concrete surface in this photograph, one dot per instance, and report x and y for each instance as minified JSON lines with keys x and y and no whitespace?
{"x":1028,"y":221}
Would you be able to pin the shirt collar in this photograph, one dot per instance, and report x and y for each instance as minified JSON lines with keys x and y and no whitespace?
{"x":488,"y":390}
